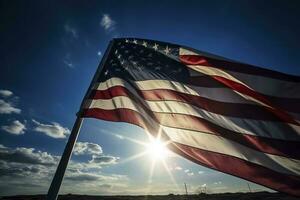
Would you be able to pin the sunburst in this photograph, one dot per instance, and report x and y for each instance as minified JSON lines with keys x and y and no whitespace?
{"x":156,"y":150}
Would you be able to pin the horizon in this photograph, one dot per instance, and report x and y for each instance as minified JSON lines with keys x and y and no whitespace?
{"x":50,"y":52}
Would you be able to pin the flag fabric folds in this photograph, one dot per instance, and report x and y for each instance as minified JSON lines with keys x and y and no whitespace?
{"x":235,"y":118}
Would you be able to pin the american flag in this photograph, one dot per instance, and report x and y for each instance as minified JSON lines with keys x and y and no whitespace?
{"x":232,"y":117}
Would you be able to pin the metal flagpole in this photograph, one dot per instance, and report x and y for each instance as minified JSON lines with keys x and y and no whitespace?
{"x":60,"y":171}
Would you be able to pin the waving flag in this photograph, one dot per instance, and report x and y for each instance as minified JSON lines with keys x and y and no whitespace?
{"x":232,"y":117}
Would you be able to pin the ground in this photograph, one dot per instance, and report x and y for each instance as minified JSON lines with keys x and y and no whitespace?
{"x":223,"y":196}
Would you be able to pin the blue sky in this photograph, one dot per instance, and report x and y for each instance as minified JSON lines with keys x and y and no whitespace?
{"x":49,"y":53}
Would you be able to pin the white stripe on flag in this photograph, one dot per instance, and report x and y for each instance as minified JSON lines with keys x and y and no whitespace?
{"x":217,"y":94}
{"x":218,"y":72}
{"x":265,"y":85}
{"x":208,"y":141}
{"x":222,"y":145}
{"x":245,"y":126}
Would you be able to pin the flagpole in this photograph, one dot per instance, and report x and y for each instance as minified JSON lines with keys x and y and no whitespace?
{"x":60,"y":171}
{"x":63,"y":163}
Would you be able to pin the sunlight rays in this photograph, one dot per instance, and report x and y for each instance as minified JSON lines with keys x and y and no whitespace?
{"x":134,"y":157}
{"x":156,"y":150}
{"x":170,"y":174}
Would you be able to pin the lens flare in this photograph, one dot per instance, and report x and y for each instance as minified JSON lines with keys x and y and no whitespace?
{"x":157,"y":150}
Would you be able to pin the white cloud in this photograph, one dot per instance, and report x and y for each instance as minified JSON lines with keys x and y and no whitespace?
{"x":26,"y":155}
{"x":107,"y":23}
{"x":121,"y":137}
{"x":82,"y":177}
{"x":190,"y":174}
{"x":178,"y":168}
{"x":218,"y":183}
{"x":71,"y":30}
{"x":28,"y":170}
{"x":98,"y":158}
{"x":88,"y":176}
{"x":69,"y":64}
{"x":203,"y":185}
{"x":200,"y":172}
{"x":54,"y":130}
{"x":6,"y":93}
{"x":8,"y":108}
{"x":68,"y":61}
{"x":16,"y":127}
{"x":70,"y":41}
{"x":104,"y":159}
{"x":86,"y":148}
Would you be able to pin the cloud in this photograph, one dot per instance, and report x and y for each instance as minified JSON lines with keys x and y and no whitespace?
{"x":107,"y":23}
{"x":26,"y":155}
{"x":200,"y":172}
{"x":86,"y":148}
{"x":121,"y":137}
{"x":28,"y":170}
{"x":190,"y":174}
{"x":88,"y":176}
{"x":67,"y":61}
{"x":218,"y":183}
{"x":178,"y":168}
{"x":69,"y":64}
{"x":71,"y":41}
{"x":16,"y":127}
{"x":104,"y":159}
{"x":98,"y":158}
{"x":8,"y":108}
{"x":20,"y":171}
{"x":6,"y":93}
{"x":54,"y":130}
{"x":107,"y":186}
{"x":82,"y":177}
{"x":71,"y":31}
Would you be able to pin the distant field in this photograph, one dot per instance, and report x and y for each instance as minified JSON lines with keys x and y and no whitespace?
{"x":224,"y":196}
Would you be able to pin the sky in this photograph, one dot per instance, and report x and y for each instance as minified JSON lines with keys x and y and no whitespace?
{"x":49,"y":53}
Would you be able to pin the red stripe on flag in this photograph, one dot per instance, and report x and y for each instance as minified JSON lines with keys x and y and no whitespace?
{"x":237,"y":167}
{"x":245,"y":90}
{"x":234,"y":66}
{"x":223,"y":108}
{"x":263,"y":144}
{"x":288,"y":104}
{"x":240,"y":168}
{"x":205,"y":81}
{"x":267,"y":145}
{"x":122,"y":115}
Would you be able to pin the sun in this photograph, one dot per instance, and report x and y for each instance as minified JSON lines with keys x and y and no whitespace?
{"x":158,"y":152}
{"x":157,"y":149}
